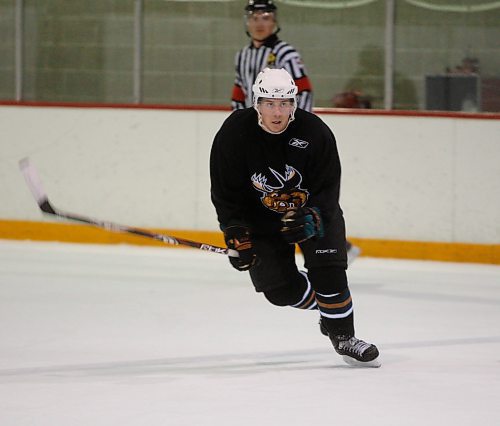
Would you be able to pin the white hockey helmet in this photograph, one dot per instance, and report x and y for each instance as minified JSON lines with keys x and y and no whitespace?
{"x":272,"y":83}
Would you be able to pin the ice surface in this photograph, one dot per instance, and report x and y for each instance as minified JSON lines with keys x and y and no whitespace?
{"x":121,"y":335}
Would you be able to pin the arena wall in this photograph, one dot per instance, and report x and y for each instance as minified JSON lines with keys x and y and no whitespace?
{"x":414,"y":185}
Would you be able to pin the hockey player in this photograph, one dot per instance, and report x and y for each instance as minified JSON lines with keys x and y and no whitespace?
{"x":266,"y":50}
{"x":275,"y":175}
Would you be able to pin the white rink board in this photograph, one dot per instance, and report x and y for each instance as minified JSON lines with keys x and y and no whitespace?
{"x":408,"y":178}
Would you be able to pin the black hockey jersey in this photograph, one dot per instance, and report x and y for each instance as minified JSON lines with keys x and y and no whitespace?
{"x":257,"y":176}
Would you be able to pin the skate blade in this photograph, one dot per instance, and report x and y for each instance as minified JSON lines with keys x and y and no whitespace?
{"x":355,"y":363}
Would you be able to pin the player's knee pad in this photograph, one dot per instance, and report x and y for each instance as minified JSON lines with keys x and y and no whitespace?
{"x":281,"y":296}
{"x":328,"y":279}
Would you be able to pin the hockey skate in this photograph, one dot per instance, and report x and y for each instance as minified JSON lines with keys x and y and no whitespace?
{"x":354,"y":352}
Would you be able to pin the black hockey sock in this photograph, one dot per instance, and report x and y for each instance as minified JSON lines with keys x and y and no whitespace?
{"x":334,"y":299}
{"x":339,"y":326}
{"x":336,"y":312}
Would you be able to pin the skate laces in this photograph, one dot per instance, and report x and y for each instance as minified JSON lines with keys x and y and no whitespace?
{"x":353,"y":345}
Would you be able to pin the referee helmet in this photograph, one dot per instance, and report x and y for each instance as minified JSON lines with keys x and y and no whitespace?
{"x":260,"y":6}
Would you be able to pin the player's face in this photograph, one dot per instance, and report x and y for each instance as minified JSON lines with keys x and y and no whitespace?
{"x":275,"y":113}
{"x":260,"y":25}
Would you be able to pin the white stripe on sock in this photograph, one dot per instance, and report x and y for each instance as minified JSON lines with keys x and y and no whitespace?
{"x":307,"y":292}
{"x":343,"y":315}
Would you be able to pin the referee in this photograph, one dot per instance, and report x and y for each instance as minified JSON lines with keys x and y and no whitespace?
{"x":266,"y":50}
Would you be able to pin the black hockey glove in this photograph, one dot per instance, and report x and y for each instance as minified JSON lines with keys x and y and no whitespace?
{"x":301,"y":223}
{"x":238,"y":238}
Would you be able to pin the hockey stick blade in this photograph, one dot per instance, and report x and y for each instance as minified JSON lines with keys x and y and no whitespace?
{"x":35,"y":185}
{"x":46,"y":207}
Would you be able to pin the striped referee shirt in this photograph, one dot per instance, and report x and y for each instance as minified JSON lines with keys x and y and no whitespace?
{"x":274,"y":53}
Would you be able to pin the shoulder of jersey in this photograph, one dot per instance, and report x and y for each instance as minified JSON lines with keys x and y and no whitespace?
{"x":239,"y":119}
{"x":308,"y":120}
{"x":241,"y":116}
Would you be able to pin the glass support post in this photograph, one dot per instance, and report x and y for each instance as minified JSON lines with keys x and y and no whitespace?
{"x":19,"y":49}
{"x":390,"y":11}
{"x":138,"y":50}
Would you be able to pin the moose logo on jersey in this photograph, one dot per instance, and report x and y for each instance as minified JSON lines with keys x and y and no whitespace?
{"x":287,"y":195}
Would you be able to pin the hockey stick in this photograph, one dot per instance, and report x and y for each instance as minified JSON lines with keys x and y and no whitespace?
{"x":35,"y":186}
